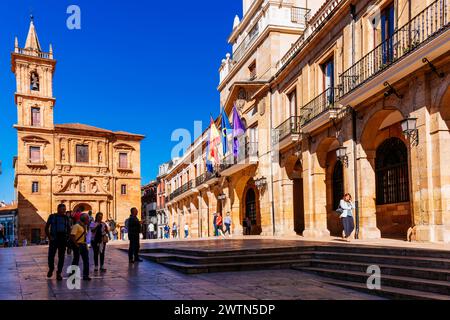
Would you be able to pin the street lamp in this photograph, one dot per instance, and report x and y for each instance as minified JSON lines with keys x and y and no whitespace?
{"x":222,"y":197}
{"x":409,"y":128}
{"x":341,"y":154}
{"x":261,"y":183}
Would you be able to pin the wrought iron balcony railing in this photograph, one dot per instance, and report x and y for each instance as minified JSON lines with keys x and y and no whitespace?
{"x":423,"y":27}
{"x":205,"y":177}
{"x":184,"y":188}
{"x":248,"y":150}
{"x":240,"y":51}
{"x":319,"y":105}
{"x":300,"y":15}
{"x":291,"y":126}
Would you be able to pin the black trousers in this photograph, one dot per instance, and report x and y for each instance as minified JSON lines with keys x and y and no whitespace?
{"x":57,"y":245}
{"x":81,"y":250}
{"x":97,"y":253}
{"x":133,"y":250}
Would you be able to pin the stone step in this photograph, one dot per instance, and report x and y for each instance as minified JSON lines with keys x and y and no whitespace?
{"x":415,"y":261}
{"x":386,"y":269}
{"x":164,"y":257}
{"x":389,"y":292}
{"x":434,"y":286}
{"x":227,"y":252}
{"x":192,"y":268}
{"x":386,"y":251}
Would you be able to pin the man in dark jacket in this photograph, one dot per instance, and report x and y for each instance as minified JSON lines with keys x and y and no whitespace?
{"x":134,"y":229}
{"x":57,"y":231}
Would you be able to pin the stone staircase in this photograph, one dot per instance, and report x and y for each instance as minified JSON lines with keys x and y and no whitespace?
{"x":406,"y":273}
{"x":198,"y":261}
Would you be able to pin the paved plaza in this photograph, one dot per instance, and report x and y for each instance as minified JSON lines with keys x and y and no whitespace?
{"x":25,"y":269}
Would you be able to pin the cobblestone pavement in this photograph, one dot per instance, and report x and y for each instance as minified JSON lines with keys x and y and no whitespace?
{"x":24,"y":277}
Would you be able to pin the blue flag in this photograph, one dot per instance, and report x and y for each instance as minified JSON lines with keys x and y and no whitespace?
{"x":226,"y":131}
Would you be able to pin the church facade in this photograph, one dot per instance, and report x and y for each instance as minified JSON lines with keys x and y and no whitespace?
{"x":79,"y":165}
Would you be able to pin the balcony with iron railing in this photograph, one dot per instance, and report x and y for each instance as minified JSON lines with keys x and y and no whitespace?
{"x":287,"y":132}
{"x":322,"y":107}
{"x":205,"y":177}
{"x":247,"y":155}
{"x":404,"y":42}
{"x":241,"y":50}
{"x":300,"y":16}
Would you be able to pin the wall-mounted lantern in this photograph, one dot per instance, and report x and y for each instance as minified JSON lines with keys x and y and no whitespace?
{"x":409,"y":128}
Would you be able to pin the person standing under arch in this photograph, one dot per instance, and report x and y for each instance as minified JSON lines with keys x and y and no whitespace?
{"x":346,"y":216}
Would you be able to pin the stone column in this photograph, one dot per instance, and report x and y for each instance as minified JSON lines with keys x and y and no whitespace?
{"x":212,"y":209}
{"x":287,"y":186}
{"x":235,"y":206}
{"x":316,"y":206}
{"x":367,"y":195}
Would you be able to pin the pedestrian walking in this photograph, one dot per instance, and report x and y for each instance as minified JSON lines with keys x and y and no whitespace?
{"x":166,"y":231}
{"x":89,"y":234}
{"x":57,"y":230}
{"x":186,"y":230}
{"x":151,"y":231}
{"x":134,"y":230}
{"x":215,"y":225}
{"x":2,"y":232}
{"x":174,"y":230}
{"x":219,"y":223}
{"x":345,"y":212}
{"x":99,"y":240}
{"x":227,"y":222}
{"x":79,"y":245}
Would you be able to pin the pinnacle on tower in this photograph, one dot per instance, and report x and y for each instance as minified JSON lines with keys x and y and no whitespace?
{"x":32,"y":42}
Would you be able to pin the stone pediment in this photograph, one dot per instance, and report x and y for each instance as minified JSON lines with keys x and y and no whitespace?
{"x":82,"y":185}
{"x":35,"y":139}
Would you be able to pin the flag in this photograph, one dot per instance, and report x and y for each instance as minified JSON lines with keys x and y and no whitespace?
{"x":226,"y":131}
{"x":238,"y":130}
{"x":214,"y":144}
{"x":209,"y":164}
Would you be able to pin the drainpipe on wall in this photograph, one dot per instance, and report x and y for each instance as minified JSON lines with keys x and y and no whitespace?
{"x":271,"y":165}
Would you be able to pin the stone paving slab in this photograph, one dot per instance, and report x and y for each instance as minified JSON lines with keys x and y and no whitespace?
{"x":26,"y":279}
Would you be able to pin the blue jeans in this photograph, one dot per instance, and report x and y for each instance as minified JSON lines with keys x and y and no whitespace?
{"x":348,"y":224}
{"x":186,"y":233}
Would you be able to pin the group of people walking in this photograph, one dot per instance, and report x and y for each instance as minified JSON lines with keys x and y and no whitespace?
{"x":219,"y":223}
{"x":74,"y":234}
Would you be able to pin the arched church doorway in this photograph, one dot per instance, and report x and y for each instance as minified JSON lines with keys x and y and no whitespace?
{"x":392,"y":188}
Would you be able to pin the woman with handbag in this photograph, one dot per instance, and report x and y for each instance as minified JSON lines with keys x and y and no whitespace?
{"x":346,"y":214}
{"x":100,"y":238}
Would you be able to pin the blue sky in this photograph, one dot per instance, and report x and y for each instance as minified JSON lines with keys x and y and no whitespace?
{"x":146,"y":67}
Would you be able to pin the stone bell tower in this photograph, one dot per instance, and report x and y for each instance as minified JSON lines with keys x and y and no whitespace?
{"x":34,"y":70}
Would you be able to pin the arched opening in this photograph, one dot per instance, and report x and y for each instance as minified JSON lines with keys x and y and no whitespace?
{"x":34,"y":81}
{"x":392,"y":188}
{"x":251,"y":211}
{"x":84,"y":207}
{"x":338,"y":183}
{"x":337,"y":191}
